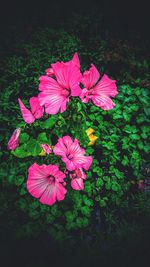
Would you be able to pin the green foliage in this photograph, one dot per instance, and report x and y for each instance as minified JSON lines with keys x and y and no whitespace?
{"x":49,"y":123}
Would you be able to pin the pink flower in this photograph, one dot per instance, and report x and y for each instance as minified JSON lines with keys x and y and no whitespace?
{"x":77,"y":179}
{"x":99,"y":92}
{"x":72,"y":154}
{"x":36,"y":110}
{"x":14,"y":140}
{"x":45,"y":183}
{"x":46,"y":148}
{"x":49,"y":72}
{"x":75,"y":60}
{"x":55,"y":94}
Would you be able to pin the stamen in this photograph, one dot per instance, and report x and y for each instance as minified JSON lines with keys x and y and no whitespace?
{"x":66,"y":92}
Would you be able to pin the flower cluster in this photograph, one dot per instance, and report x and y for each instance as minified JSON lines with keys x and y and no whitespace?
{"x":47,"y":182}
{"x":62,"y":81}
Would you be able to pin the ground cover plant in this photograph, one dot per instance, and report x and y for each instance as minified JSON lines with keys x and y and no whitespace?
{"x":116,"y":139}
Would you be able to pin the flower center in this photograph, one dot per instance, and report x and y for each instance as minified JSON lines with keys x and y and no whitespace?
{"x":66,"y":92}
{"x":69,"y":156}
{"x":78,"y":173}
{"x":73,"y":175}
{"x":51,"y":179}
{"x":90,"y":91}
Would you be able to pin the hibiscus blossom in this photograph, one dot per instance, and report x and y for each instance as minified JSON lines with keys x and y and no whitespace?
{"x":55,"y":93}
{"x":72,"y":154}
{"x":14,"y":140}
{"x":46,"y":182}
{"x":77,"y":179}
{"x":99,"y":92}
{"x":75,"y":60}
{"x":36,"y":110}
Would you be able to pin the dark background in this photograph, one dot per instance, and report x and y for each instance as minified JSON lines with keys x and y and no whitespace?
{"x":125,"y":16}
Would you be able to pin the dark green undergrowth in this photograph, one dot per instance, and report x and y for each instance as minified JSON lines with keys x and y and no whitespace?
{"x":111,"y":197}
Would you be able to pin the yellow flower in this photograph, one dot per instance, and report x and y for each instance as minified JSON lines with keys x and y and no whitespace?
{"x":90,"y":131}
{"x":93,"y":139}
{"x":91,"y":136}
{"x":42,"y":153}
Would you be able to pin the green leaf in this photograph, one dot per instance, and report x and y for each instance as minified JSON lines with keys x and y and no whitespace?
{"x":135,"y":136}
{"x":79,"y":106}
{"x":125,"y":161}
{"x":85,"y":210}
{"x":99,"y":182}
{"x":126,"y":116}
{"x":42,"y":138}
{"x":147,"y":111}
{"x":92,"y":117}
{"x":102,"y":203}
{"x":23,"y":191}
{"x":89,"y":150}
{"x":34,"y":204}
{"x":140,"y":145}
{"x":19,"y":180}
{"x":106,"y":178}
{"x":108,"y":145}
{"x":87,"y":201}
{"x":50,"y":218}
{"x":50,"y":122}
{"x":118,"y":173}
{"x":34,"y":147}
{"x":21,"y":124}
{"x":21,"y":151}
{"x":99,"y":118}
{"x":135,"y":155}
{"x":11,"y":178}
{"x":23,"y":138}
{"x":115,"y":186}
{"x":130,"y":129}
{"x":108,"y":185}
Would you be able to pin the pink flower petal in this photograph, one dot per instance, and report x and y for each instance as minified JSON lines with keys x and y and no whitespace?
{"x":68,"y":76}
{"x":90,"y":77}
{"x":46,"y":148}
{"x":61,"y":72}
{"x":61,"y":148}
{"x":106,"y":86}
{"x":84,"y":95}
{"x":80,"y":173}
{"x":72,"y":154}
{"x":51,"y":95}
{"x":56,"y":104}
{"x":49,"y":195}
{"x":76,"y":60}
{"x":44,"y":182}
{"x":103,"y":101}
{"x":53,"y":193}
{"x":70,"y":165}
{"x":87,"y":163}
{"x":55,"y":94}
{"x":36,"y":109}
{"x":13,"y":142}
{"x":67,"y":140}
{"x":64,"y":105}
{"x":77,"y":184}
{"x":26,"y":113}
{"x":49,"y":72}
